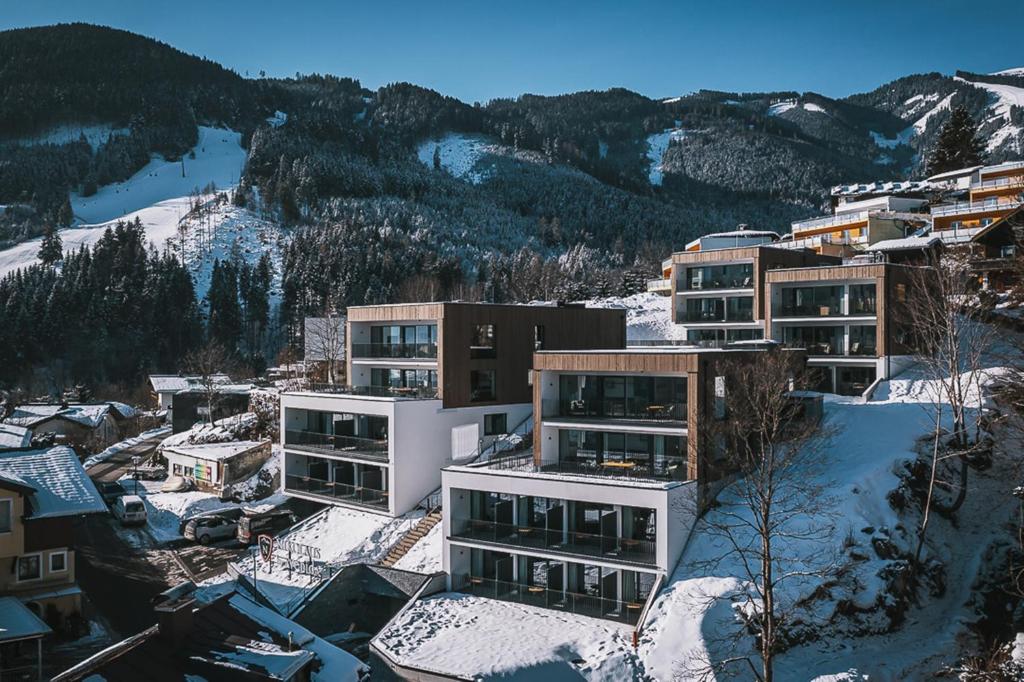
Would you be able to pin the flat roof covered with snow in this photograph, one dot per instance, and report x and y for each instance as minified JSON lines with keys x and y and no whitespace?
{"x":61,"y":485}
{"x":215,"y":452}
{"x":172,"y":383}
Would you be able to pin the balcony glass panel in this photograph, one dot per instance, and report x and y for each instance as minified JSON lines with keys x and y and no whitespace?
{"x":337,"y":433}
{"x":601,"y":453}
{"x":418,"y":341}
{"x":817,"y":340}
{"x":596,"y":396}
{"x":862,"y":340}
{"x":704,"y":310}
{"x":811,"y":302}
{"x":862,"y":299}
{"x":404,"y":380}
{"x":736,"y":276}
{"x":337,"y":481}
{"x":739,"y":309}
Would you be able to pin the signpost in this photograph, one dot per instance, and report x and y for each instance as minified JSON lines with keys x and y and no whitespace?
{"x":266,"y":545}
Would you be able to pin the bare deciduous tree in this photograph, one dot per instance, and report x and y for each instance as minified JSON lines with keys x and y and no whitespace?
{"x":950,"y":339}
{"x":206,"y":364}
{"x":325,"y":342}
{"x":774,"y":520}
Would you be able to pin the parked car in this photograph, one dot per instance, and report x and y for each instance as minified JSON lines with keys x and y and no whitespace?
{"x":110,"y":491}
{"x":130,"y":510}
{"x":207,"y":529}
{"x":230,"y":513}
{"x":251,"y":526}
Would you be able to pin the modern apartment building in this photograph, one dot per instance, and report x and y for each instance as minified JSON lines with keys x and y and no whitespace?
{"x":429,"y":384}
{"x":994,"y":193}
{"x":850,"y":318}
{"x":856,"y":225}
{"x":600,"y":511}
{"x":717,"y":294}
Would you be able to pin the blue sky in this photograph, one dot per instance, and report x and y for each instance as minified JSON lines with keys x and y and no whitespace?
{"x":480,"y":50}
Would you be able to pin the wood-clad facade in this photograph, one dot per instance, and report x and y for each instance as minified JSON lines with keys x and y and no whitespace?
{"x":518,"y":331}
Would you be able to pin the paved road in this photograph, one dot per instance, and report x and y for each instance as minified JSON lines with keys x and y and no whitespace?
{"x":120,"y":463}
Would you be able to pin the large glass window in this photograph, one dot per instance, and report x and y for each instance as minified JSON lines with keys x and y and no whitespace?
{"x":739,"y":309}
{"x":29,"y":567}
{"x":744,"y":334}
{"x":862,"y":340}
{"x":482,"y":345}
{"x":495,"y":424}
{"x":399,"y":341}
{"x":817,"y":340}
{"x":862,"y":299}
{"x":403,"y":378}
{"x":812,"y":301}
{"x":705,"y":310}
{"x":481,"y":385}
{"x":853,"y":380}
{"x":626,"y":397}
{"x":736,"y":276}
{"x":600,"y":452}
{"x":5,"y":515}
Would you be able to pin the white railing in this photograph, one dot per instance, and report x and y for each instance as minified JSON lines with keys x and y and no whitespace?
{"x":1016,"y":181}
{"x":666,"y":264}
{"x":829,"y":221}
{"x":967,"y":207}
{"x":819,"y":240}
{"x":656,"y":285}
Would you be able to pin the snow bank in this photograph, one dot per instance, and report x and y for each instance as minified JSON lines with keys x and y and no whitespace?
{"x":221,"y":431}
{"x":648,"y":316}
{"x":165,"y":511}
{"x":342,"y":536}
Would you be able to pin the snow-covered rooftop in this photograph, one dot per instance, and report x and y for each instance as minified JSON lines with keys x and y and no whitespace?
{"x":906,"y":244}
{"x":91,"y":416}
{"x":172,"y":383}
{"x":215,"y":452}
{"x":61,"y":485}
{"x":14,"y":436}
{"x":949,"y":175}
{"x":887,"y":187}
{"x":468,"y":637}
{"x":17,"y":622}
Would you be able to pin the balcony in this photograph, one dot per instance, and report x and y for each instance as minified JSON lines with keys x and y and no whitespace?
{"x":560,"y":600}
{"x":830,"y":221}
{"x":830,"y":309}
{"x":613,"y":466}
{"x":336,"y":492}
{"x":616,"y":408}
{"x":969,"y":207}
{"x":395,"y":351}
{"x":329,"y":444}
{"x":559,"y":541}
{"x":697,"y":316}
{"x":659,"y":286}
{"x":410,"y":393}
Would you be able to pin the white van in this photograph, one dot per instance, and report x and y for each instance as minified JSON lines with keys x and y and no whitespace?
{"x":130,"y":510}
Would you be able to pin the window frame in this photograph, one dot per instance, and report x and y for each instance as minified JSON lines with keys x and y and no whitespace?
{"x":63,"y":554}
{"x":502,"y":417}
{"x":494,"y":386}
{"x":10,"y":515}
{"x":39,"y":567}
{"x":478,"y":351}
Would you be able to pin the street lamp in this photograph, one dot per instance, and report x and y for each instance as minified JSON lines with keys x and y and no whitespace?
{"x":135,"y":462}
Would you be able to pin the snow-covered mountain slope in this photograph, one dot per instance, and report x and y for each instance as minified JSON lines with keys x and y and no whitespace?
{"x":1005,"y":98}
{"x":158,"y":195}
{"x":94,"y":133}
{"x":657,"y":145}
{"x":217,"y":158}
{"x":470,"y":157}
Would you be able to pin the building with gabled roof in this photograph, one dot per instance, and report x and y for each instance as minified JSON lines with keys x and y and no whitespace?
{"x":41,"y":493}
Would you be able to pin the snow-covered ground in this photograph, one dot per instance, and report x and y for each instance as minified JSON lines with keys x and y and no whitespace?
{"x":165,"y":511}
{"x":342,"y":536}
{"x":425,"y":555}
{"x":460,"y":154}
{"x":648,"y":316}
{"x":657,"y":145}
{"x":781,"y":107}
{"x":1004,"y":98}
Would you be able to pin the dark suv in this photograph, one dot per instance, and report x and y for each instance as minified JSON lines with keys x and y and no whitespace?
{"x":271,"y":522}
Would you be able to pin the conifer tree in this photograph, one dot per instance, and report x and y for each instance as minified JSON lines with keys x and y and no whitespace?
{"x":52,"y":249}
{"x":958,"y":146}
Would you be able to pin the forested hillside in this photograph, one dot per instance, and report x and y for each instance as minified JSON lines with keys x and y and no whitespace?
{"x":404,"y":192}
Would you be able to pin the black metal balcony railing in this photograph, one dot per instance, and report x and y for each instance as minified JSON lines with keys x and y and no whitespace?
{"x":412,"y":392}
{"x":369,"y":448}
{"x":613,"y":465}
{"x":406,"y":351}
{"x":561,"y":600}
{"x":341,"y":492}
{"x":817,"y":347}
{"x":565,"y":542}
{"x":617,"y":408}
{"x":863,"y":306}
{"x":704,"y":315}
{"x":825,"y":309}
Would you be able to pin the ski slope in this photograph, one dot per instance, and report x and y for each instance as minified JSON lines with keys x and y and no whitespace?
{"x":158,"y":195}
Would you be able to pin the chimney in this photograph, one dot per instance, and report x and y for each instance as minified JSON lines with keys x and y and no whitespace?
{"x":174,"y":609}
{"x":174,"y":619}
